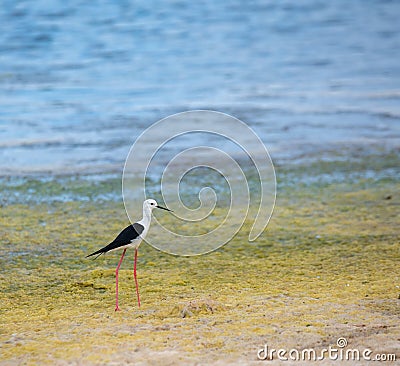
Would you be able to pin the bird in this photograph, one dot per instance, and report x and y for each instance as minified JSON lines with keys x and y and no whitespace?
{"x":130,"y":237}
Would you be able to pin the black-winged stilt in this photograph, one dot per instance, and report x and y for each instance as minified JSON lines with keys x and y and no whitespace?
{"x":130,"y":237}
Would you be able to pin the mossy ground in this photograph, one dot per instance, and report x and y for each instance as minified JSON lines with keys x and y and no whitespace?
{"x":326,"y":267}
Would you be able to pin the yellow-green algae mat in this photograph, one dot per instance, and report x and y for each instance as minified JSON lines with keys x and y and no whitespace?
{"x":326,"y":267}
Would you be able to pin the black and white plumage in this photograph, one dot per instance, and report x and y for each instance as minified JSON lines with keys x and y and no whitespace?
{"x":131,"y":237}
{"x":124,"y":239}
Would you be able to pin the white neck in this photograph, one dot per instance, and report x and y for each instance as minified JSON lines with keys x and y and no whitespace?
{"x":145,"y":221}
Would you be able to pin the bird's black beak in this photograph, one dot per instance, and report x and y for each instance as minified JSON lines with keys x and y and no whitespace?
{"x":163,"y":208}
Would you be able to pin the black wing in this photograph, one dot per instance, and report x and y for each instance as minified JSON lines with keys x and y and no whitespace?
{"x":124,"y":237}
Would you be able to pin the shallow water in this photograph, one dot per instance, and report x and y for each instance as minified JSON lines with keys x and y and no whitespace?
{"x":80,"y":81}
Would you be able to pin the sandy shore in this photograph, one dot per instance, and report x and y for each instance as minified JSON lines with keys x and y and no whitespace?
{"x":325,"y":268}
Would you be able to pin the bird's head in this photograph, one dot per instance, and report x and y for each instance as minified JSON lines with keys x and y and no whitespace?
{"x":150,"y":203}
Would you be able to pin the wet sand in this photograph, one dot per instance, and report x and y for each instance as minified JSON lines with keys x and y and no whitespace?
{"x":325,"y":268}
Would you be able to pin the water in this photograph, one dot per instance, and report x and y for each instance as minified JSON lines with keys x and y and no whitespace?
{"x":79,"y":81}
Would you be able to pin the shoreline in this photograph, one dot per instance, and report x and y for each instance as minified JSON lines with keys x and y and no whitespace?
{"x":356,"y":164}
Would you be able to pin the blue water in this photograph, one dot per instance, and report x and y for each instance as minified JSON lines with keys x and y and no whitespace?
{"x":80,"y":80}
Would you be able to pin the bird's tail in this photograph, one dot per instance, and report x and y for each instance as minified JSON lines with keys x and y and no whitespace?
{"x":98,"y":252}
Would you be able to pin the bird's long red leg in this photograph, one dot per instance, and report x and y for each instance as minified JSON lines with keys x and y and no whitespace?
{"x":116,"y":280}
{"x":134,"y":275}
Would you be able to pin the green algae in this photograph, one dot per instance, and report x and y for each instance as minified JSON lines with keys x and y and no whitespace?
{"x":326,"y":267}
